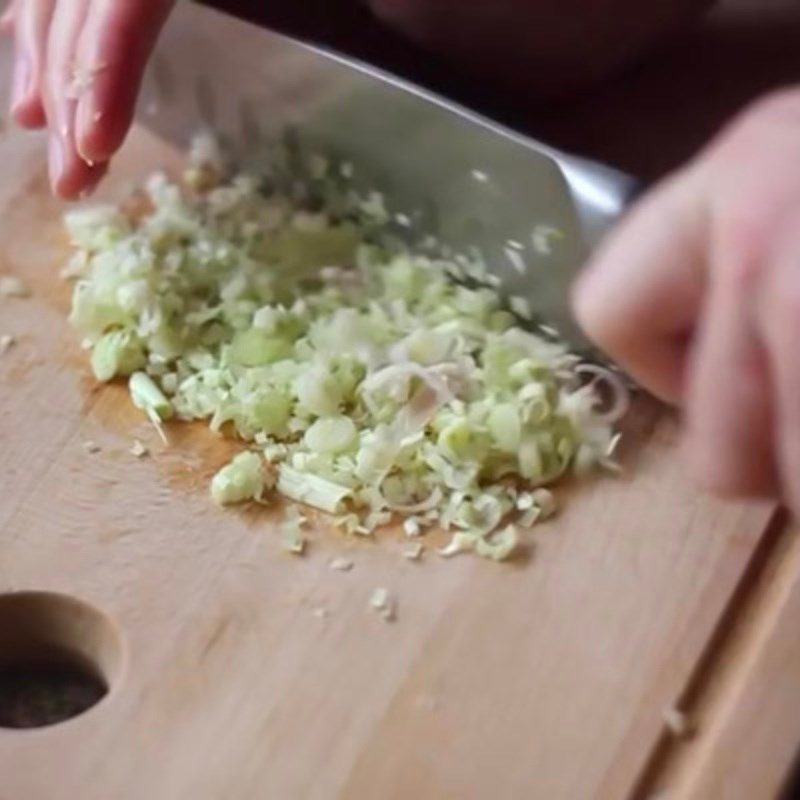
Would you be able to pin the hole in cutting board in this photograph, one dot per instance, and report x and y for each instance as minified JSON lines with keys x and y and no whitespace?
{"x":59,"y":657}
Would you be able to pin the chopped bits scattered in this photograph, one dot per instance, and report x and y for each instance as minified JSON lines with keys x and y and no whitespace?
{"x":12,"y":286}
{"x":341,"y":565}
{"x":543,"y":237}
{"x":414,"y":552}
{"x":292,"y":539}
{"x":383,"y":602}
{"x":242,"y":479}
{"x":138,"y":450}
{"x":368,"y":384}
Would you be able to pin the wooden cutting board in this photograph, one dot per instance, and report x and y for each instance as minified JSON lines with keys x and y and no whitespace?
{"x":546,"y":678}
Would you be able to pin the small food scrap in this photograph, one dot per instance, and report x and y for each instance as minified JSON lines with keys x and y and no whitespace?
{"x":382,"y":602}
{"x":414,"y":553}
{"x":320,"y":612}
{"x":7,"y":341}
{"x":91,"y":447}
{"x":543,"y":237}
{"x":341,"y":565}
{"x":240,"y":480}
{"x":292,"y":539}
{"x":12,"y":286}
{"x":412,"y":527}
{"x":678,"y":723}
{"x":138,"y":450}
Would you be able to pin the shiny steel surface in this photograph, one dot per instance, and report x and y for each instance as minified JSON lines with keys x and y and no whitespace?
{"x":467,"y":180}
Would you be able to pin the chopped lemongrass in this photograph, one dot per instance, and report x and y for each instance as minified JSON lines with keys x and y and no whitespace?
{"x":138,"y":450}
{"x":292,"y":539}
{"x":282,"y":308}
{"x":12,"y":286}
{"x":312,"y":490}
{"x":240,"y":480}
{"x":459,"y":543}
{"x":498,"y":546}
{"x":414,"y":552}
{"x":148,"y":397}
{"x":341,"y":565}
{"x":117,"y":353}
{"x":545,"y":502}
{"x":383,"y":602}
{"x":7,"y":341}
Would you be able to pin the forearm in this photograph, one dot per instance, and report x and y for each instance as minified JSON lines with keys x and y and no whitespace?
{"x":542,"y":45}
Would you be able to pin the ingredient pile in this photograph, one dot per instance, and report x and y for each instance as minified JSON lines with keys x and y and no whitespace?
{"x":370,"y":378}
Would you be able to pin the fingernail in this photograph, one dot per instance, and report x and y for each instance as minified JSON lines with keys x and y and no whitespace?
{"x":56,"y":157}
{"x":21,"y":81}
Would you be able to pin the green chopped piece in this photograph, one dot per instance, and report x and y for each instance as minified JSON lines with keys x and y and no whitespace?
{"x":500,"y":546}
{"x":117,"y":353}
{"x":147,"y":396}
{"x":240,"y":480}
{"x":279,"y":306}
{"x":312,"y":490}
{"x":255,"y":348}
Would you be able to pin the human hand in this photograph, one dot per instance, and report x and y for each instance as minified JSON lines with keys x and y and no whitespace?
{"x":697,"y":295}
{"x":78,"y":66}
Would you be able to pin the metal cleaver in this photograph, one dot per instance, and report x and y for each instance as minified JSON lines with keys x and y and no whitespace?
{"x":534,"y":212}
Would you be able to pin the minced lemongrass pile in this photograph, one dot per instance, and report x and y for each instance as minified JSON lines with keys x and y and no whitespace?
{"x":362,"y":379}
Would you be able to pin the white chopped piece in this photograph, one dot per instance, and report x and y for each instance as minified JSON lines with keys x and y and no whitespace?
{"x":346,"y":170}
{"x":514,"y":244}
{"x":521,"y":307}
{"x":414,"y":552}
{"x":7,"y":341}
{"x":411,"y":526}
{"x":524,"y":501}
{"x":403,"y":220}
{"x":138,"y":450}
{"x":459,"y":543}
{"x":517,"y":261}
{"x":12,"y":286}
{"x":341,"y":565}
{"x":545,"y":501}
{"x":292,"y":539}
{"x":543,"y":237}
{"x":320,"y":612}
{"x":480,"y":176}
{"x":549,"y":330}
{"x":530,"y":517}
{"x":382,"y":602}
{"x":678,"y":723}
{"x":90,"y":446}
